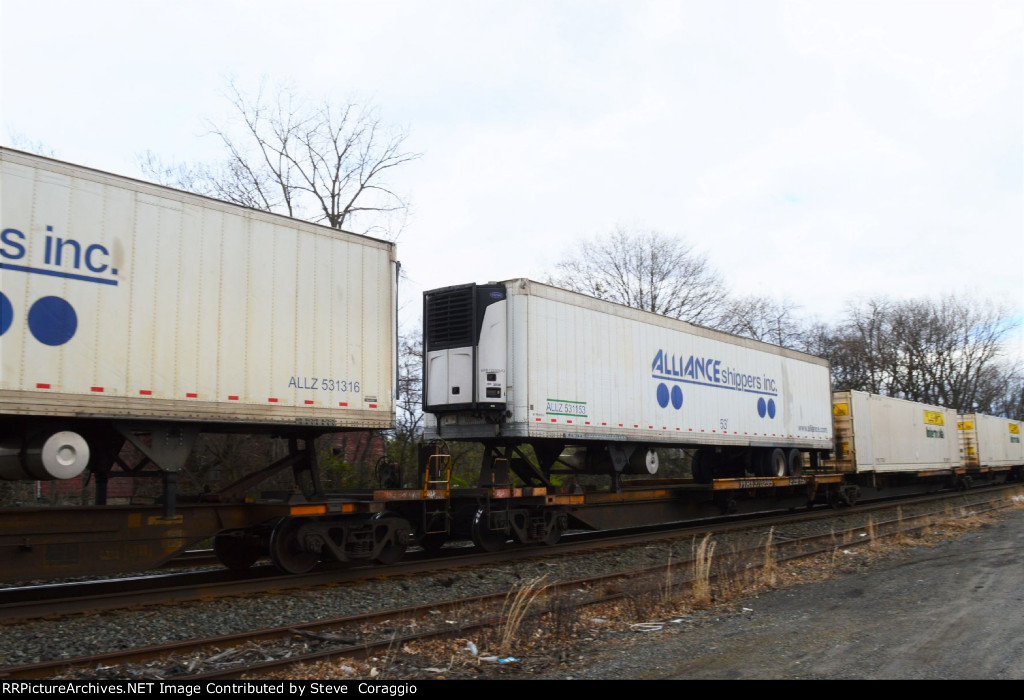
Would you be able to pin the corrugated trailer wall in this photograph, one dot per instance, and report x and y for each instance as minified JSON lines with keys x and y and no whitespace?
{"x":122,"y":298}
{"x":880,"y":433}
{"x":581,"y":368}
{"x":990,"y":441}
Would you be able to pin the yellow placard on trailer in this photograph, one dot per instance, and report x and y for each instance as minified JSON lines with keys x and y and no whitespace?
{"x":840,"y":409}
{"x":934,"y":418}
{"x":1014,"y":429}
{"x":965,"y":425}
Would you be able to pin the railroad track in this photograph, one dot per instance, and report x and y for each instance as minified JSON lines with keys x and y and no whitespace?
{"x":377,"y":634}
{"x":48,"y":600}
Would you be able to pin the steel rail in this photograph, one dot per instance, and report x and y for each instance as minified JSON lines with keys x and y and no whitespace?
{"x":480,"y":611}
{"x":32,"y":602}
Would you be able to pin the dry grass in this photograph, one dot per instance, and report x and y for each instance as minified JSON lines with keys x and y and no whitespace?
{"x":870,"y":528}
{"x":667,"y":593}
{"x":900,"y":537}
{"x":770,"y":568}
{"x":517,"y":606}
{"x":703,"y":555}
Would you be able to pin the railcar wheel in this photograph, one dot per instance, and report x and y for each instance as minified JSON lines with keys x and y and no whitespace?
{"x":286,"y":548}
{"x":851,"y":493}
{"x":397,"y":541}
{"x":795,"y":462}
{"x":236,"y":550}
{"x":483,"y":537}
{"x":554,"y":528}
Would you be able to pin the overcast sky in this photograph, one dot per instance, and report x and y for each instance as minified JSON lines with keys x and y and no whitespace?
{"x":820,"y":151}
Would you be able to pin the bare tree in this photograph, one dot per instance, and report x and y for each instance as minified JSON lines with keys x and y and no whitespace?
{"x":761,"y":318}
{"x":947,"y":352}
{"x":645,"y":270}
{"x":22,"y":142}
{"x":865,"y":340}
{"x":408,"y":400}
{"x":312,"y":160}
{"x":1011,"y":404}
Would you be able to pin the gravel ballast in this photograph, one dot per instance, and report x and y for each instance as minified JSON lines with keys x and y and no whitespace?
{"x":711,"y":642}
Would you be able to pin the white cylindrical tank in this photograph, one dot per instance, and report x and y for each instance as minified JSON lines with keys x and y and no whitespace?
{"x":62,"y":455}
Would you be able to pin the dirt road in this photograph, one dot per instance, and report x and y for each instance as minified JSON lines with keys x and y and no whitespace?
{"x":951,"y":611}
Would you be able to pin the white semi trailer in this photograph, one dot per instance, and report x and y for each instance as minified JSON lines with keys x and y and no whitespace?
{"x":599,"y":385}
{"x":132,"y":311}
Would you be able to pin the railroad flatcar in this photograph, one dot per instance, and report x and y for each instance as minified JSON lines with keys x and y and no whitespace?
{"x":132,"y":312}
{"x":135,"y":313}
{"x":555,"y":384}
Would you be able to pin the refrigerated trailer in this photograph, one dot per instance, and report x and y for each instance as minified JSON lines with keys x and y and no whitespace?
{"x":590,"y":382}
